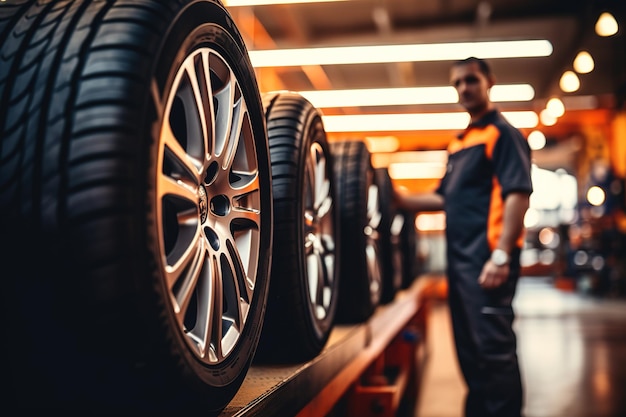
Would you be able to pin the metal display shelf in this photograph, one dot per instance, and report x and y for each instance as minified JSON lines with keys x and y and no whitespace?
{"x":313,"y":388}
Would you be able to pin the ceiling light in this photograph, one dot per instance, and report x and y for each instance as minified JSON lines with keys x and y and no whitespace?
{"x":378,"y":144}
{"x":395,"y":122}
{"x":522,"y":119}
{"x":398,"y":53}
{"x":512,"y":92}
{"x":569,"y":82}
{"x":430,"y":222}
{"x":546,"y":118}
{"x":555,"y":107}
{"x":416,"y":121}
{"x":606,"y":25}
{"x":409,"y":96}
{"x":237,"y":3}
{"x":536,"y":140}
{"x":405,"y":157}
{"x":416,"y":170}
{"x":583,"y":63}
{"x":596,"y":196}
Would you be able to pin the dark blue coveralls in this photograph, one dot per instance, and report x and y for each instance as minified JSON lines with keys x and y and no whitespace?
{"x":486,"y":162}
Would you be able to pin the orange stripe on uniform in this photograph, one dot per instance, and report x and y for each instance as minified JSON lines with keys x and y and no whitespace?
{"x":496,"y":213}
{"x":495,"y":222}
{"x":475,"y":136}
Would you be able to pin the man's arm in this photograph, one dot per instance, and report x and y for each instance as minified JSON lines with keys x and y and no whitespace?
{"x":515,"y":206}
{"x":419,"y":202}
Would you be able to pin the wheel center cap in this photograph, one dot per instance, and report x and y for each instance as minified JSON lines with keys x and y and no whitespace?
{"x":203,"y":203}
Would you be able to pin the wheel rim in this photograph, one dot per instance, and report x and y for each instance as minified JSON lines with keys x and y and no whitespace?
{"x":319,"y":234}
{"x":374,"y":217}
{"x":208,"y":205}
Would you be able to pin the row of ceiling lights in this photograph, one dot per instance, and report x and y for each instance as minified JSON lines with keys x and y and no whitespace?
{"x":605,"y":26}
{"x":404,"y":96}
{"x":399,"y":96}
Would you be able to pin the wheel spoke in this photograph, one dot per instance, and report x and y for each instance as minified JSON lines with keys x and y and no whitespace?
{"x":170,"y":187}
{"x":176,"y":162}
{"x":237,"y":295}
{"x":374,"y":216}
{"x":202,"y":312}
{"x":182,"y":275}
{"x":319,"y":229}
{"x":239,"y":118}
{"x":224,"y":87}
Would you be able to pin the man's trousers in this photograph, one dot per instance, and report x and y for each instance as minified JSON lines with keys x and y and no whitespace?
{"x":485,"y":343}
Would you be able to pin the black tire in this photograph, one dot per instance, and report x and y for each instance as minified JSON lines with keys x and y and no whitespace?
{"x":391,"y":274}
{"x":304,"y":281}
{"x":139,"y":235}
{"x":360,"y":287}
{"x":411,"y":263}
{"x":10,"y":13}
{"x":397,"y":225}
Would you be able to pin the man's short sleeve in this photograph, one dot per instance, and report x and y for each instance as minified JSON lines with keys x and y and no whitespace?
{"x":511,"y":158}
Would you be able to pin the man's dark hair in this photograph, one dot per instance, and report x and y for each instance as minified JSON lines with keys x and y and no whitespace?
{"x":482,"y":64}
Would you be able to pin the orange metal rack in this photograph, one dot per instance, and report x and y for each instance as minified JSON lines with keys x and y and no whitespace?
{"x":365,"y":369}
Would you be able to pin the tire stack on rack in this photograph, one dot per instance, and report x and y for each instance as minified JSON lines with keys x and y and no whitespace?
{"x":361,"y":285}
{"x":389,"y":230}
{"x":163,"y":221}
{"x":305,"y":277}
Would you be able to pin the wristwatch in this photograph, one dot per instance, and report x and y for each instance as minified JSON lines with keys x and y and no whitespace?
{"x":499,"y":257}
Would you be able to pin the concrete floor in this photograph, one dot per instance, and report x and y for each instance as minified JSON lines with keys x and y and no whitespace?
{"x":572,"y":352}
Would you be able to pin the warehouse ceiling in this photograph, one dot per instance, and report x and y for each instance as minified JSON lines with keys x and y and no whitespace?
{"x":567,"y":24}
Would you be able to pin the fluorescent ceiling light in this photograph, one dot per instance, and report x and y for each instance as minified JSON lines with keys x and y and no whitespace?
{"x":430,"y":222}
{"x":416,"y":170}
{"x":416,"y":121}
{"x":399,"y":53}
{"x":237,"y":3}
{"x":382,"y":144}
{"x":408,"y":96}
{"x":522,"y":119}
{"x":395,"y":122}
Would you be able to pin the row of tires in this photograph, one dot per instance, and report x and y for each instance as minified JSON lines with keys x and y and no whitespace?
{"x":163,"y":223}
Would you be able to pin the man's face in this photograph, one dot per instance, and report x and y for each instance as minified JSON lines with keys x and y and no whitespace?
{"x":472,"y":86}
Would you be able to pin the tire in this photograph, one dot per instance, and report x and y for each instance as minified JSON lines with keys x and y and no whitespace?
{"x":411,"y":267}
{"x":304,"y":280}
{"x":135,"y":205}
{"x":360,"y":287}
{"x":391,"y":274}
{"x":10,"y":13}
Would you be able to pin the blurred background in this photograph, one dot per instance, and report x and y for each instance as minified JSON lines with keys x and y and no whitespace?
{"x":379,"y":71}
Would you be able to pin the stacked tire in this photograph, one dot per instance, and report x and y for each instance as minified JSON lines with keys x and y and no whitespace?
{"x":147,"y":190}
{"x":389,"y":231}
{"x":304,"y":280}
{"x":408,"y":245}
{"x":135,"y":206}
{"x":361,"y":285}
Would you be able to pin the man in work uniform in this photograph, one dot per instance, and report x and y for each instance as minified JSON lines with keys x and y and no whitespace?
{"x":485,"y":194}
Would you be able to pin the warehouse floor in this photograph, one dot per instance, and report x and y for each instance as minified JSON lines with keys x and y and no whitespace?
{"x":572,"y":352}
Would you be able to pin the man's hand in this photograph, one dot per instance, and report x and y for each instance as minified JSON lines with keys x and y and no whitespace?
{"x":493,"y":276}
